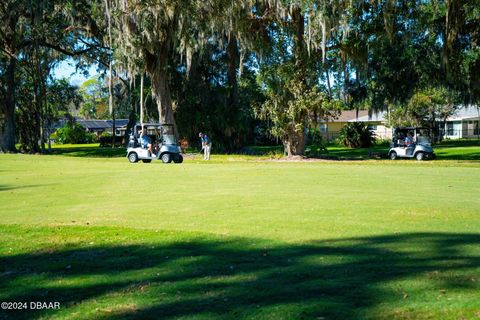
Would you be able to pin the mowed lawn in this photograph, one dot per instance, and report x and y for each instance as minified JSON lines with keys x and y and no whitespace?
{"x":240,"y":239}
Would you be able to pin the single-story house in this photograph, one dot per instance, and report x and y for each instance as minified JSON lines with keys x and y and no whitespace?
{"x":465,"y":123}
{"x":100,"y":126}
{"x":376,"y":121}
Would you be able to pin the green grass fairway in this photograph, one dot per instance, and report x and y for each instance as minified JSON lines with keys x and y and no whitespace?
{"x":240,"y":238}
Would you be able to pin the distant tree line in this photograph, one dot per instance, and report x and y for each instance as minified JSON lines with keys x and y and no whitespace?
{"x":245,"y":71}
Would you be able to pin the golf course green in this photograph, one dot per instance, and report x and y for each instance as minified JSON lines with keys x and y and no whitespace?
{"x":240,"y":238}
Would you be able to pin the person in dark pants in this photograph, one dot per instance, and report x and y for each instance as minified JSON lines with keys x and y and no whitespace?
{"x":206,"y":145}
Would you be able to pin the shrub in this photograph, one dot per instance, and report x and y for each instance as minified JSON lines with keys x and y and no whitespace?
{"x":316,"y":151}
{"x":275,"y":154}
{"x":106,"y":134}
{"x":106,"y":138}
{"x":383,"y":141}
{"x":356,"y":135}
{"x":54,"y":136}
{"x":73,"y":133}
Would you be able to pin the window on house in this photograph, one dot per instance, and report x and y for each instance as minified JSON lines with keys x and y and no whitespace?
{"x":323,"y":127}
{"x":372,"y":127}
{"x":449,"y":128}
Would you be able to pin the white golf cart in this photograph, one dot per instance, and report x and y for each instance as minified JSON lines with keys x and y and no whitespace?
{"x":162,"y":137}
{"x":411,"y":142}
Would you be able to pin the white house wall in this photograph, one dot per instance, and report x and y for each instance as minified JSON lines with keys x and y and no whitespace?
{"x":383,"y":132}
{"x":453,"y":129}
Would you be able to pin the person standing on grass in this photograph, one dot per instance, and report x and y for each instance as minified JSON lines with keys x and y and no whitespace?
{"x":206,"y":145}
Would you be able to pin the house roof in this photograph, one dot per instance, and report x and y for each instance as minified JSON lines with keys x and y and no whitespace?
{"x":466,"y":113}
{"x":119,"y":122}
{"x":94,"y":124}
{"x":101,"y":124}
{"x":363,"y":116}
{"x":374,"y":117}
{"x":349,"y":115}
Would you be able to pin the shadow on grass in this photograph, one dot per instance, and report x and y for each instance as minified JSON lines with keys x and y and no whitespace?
{"x":330,"y":152}
{"x":240,"y":278}
{"x":459,"y":156}
{"x":358,"y":153}
{"x":96,"y":152}
{"x":8,"y":187}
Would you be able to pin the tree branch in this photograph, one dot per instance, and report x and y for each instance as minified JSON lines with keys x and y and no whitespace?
{"x":97,"y":45}
{"x":125,"y":81}
{"x":65,"y":51}
{"x":3,"y":35}
{"x":9,"y":53}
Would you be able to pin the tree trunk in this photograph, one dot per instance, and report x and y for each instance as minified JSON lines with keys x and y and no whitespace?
{"x":162,"y":96}
{"x":157,"y":66}
{"x":36,"y":123}
{"x":230,"y":132}
{"x":232,"y":51}
{"x":453,"y":20}
{"x":433,"y":129}
{"x":141,"y":99}
{"x":299,"y":44}
{"x":8,"y":135}
{"x":346,"y":78}
{"x":444,"y":126}
{"x":42,"y":138}
{"x":329,"y":87}
{"x":43,"y":107}
{"x":132,"y":120}
{"x":295,"y":143}
{"x":49,"y":142}
{"x":114,"y":129}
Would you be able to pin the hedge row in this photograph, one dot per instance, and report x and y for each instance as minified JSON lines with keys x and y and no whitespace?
{"x":106,"y":141}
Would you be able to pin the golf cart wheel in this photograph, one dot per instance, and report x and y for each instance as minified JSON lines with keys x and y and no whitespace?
{"x":133,"y":157}
{"x":420,"y":156}
{"x":146,"y":160}
{"x":166,"y":158}
{"x":393,"y":155}
{"x":177,"y":158}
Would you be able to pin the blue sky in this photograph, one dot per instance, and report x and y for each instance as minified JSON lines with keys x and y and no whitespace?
{"x":66,"y":69}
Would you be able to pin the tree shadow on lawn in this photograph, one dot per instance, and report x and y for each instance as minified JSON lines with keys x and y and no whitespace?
{"x":9,"y":187}
{"x":338,"y":279}
{"x":95,"y":152}
{"x":357,"y":153}
{"x":449,"y":155}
